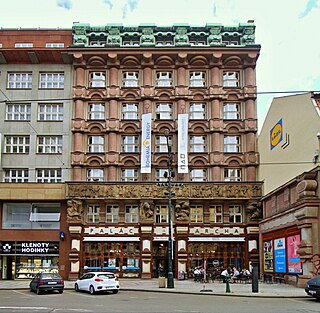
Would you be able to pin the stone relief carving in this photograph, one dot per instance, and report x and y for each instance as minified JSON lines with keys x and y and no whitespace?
{"x":248,"y":37}
{"x":182,"y":211}
{"x":147,"y":38}
{"x":181,"y":37}
{"x":254,"y":210}
{"x":146,"y":211}
{"x":215,"y":38}
{"x":74,"y":211}
{"x":114,"y":38}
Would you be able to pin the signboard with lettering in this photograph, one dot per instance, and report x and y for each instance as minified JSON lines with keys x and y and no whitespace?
{"x":29,"y":247}
{"x":279,"y":255}
{"x":276,"y":133}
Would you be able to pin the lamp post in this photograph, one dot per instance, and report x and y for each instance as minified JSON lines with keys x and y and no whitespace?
{"x":170,"y":282}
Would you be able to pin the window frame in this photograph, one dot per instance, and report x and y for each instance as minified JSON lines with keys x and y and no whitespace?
{"x":194,"y":145}
{"x":56,"y":143}
{"x":197,"y":178}
{"x":232,"y":144}
{"x":93,"y":213}
{"x":161,"y":145}
{"x":48,"y":83}
{"x":130,"y":111}
{"x":197,"y":79}
{"x":161,"y":214}
{"x":216,"y":213}
{"x":95,"y":178}
{"x":97,"y":79}
{"x":50,"y":112}
{"x":193,"y":113}
{"x":196,"y":214}
{"x":162,"y":80}
{"x":234,"y":216}
{"x":96,"y":146}
{"x":22,"y":110}
{"x":130,"y":79}
{"x":164,"y":111}
{"x":129,"y":174}
{"x":113,"y":215}
{"x":130,"y":144}
{"x":23,"y":146}
{"x":231,"y":79}
{"x":54,"y":175}
{"x":228,"y":174}
{"x":14,"y":83}
{"x":96,"y":111}
{"x":8,"y":176}
{"x":230,"y":113}
{"x":131,"y":215}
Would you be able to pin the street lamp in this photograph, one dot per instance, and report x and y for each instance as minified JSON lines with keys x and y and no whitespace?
{"x":169,"y":175}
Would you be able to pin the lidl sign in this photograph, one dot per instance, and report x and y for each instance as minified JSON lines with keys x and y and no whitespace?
{"x":276,"y":133}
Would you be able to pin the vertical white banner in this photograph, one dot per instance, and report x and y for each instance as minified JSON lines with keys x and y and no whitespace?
{"x":182,"y":143}
{"x":146,"y":144}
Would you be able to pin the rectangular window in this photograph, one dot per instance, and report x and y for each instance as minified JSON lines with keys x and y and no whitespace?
{"x":197,"y":111}
{"x":164,"y":79}
{"x":95,"y":174}
{"x":96,"y":111}
{"x":131,"y":214}
{"x":16,"y":176}
{"x":164,"y":111}
{"x":49,"y":144}
{"x":18,"y":112}
{"x":54,"y":45}
{"x":216,"y":214}
{"x":198,"y":174}
{"x":235,"y":214}
{"x":16,"y":144}
{"x":23,"y":45}
{"x":96,"y":144}
{"x":231,"y":79}
{"x":198,"y":144}
{"x":197,"y":79}
{"x":161,"y":214}
{"x":232,"y":144}
{"x":93,"y":214}
{"x":112,"y":214}
{"x":97,"y":79}
{"x":130,"y":144}
{"x":130,"y":79}
{"x":129,"y":111}
{"x":49,"y":175}
{"x":160,"y":174}
{"x":50,"y":112}
{"x":51,"y":81}
{"x":20,"y":80}
{"x":231,"y":111}
{"x":162,"y":144}
{"x":129,"y":174}
{"x":196,"y":214}
{"x":232,"y":174}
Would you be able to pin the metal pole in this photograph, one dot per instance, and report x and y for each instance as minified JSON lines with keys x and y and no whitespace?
{"x":170,"y":282}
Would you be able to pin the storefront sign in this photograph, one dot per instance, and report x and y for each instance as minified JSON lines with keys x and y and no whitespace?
{"x":279,"y":255}
{"x":216,"y":231}
{"x":294,"y":262}
{"x":35,"y":247}
{"x":276,"y":134}
{"x":111,"y":230}
{"x":29,"y":247}
{"x":216,"y":239}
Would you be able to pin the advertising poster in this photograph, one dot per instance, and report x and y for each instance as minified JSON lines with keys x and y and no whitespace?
{"x":279,"y":255}
{"x":146,"y":144}
{"x":294,"y":263}
{"x":268,"y":256}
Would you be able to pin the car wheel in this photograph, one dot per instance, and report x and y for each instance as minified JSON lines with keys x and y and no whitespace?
{"x":76,"y":288}
{"x":60,"y":291}
{"x":91,"y":289}
{"x":115,"y":291}
{"x":38,"y":290}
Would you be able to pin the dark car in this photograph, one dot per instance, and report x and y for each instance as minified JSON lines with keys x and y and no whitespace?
{"x":47,"y":282}
{"x":313,"y":287}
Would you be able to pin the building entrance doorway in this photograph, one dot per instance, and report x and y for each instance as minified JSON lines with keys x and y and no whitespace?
{"x":160,"y":259}
{"x":6,"y":268}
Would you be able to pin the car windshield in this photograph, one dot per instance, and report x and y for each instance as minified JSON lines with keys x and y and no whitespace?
{"x":106,"y":275}
{"x":50,"y":276}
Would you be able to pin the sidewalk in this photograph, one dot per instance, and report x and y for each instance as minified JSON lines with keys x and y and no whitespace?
{"x":187,"y":287}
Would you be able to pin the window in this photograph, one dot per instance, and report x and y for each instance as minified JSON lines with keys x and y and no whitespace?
{"x":112,"y":214}
{"x":97,"y":79}
{"x":16,"y":176}
{"x":49,"y":144}
{"x":95,"y":174}
{"x":48,"y":175}
{"x":216,"y":214}
{"x":129,"y":111}
{"x":20,"y":80}
{"x":197,"y":111}
{"x":197,"y":79}
{"x":131,"y":214}
{"x":96,"y":144}
{"x":235,"y":214}
{"x":232,"y":174}
{"x":161,"y":214}
{"x":18,"y":112}
{"x":160,"y":176}
{"x":23,"y":45}
{"x":198,"y":144}
{"x":51,"y":81}
{"x":130,"y":144}
{"x":198,"y":174}
{"x":231,"y":111}
{"x":231,"y":79}
{"x":16,"y":144}
{"x":161,"y":143}
{"x":50,"y":112}
{"x":96,"y":111}
{"x":196,"y":214}
{"x":231,"y":144}
{"x":55,"y":45}
{"x":129,"y":174}
{"x":164,"y":111}
{"x":130,"y":79}
{"x":164,"y":79}
{"x":93,"y":212}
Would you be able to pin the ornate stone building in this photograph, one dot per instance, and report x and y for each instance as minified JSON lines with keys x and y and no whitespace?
{"x":118,"y":209}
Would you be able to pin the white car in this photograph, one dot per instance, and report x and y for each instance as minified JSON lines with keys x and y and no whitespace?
{"x":97,"y":282}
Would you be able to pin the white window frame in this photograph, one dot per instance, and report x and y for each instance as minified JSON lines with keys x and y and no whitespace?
{"x":161,"y":145}
{"x":197,"y":79}
{"x":49,"y":175}
{"x":216,"y":213}
{"x":112,"y":213}
{"x":96,"y":111}
{"x":19,"y":80}
{"x":164,"y":79}
{"x":93,"y":214}
{"x":197,"y":111}
{"x":160,"y":174}
{"x":49,"y":144}
{"x":51,"y":80}
{"x":129,"y":174}
{"x":97,"y":79}
{"x":197,"y":143}
{"x":50,"y":112}
{"x":131,"y":214}
{"x":95,"y":174}
{"x":161,"y":214}
{"x":130,"y":111}
{"x":16,"y":144}
{"x":196,"y":214}
{"x":232,"y":144}
{"x":198,"y":174}
{"x":235,"y":214}
{"x":18,"y":175}
{"x":96,"y":144}
{"x":54,"y":45}
{"x":164,"y":111}
{"x":231,"y":79}
{"x":23,"y":45}
{"x":231,"y":111}
{"x":232,"y":174}
{"x":130,"y":79}
{"x":130,"y":144}
{"x":18,"y":111}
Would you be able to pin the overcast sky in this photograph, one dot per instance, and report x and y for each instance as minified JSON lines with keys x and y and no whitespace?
{"x":288,"y":30}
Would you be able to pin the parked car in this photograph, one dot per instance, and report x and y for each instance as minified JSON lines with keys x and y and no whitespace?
{"x":97,"y":282}
{"x":42,"y":282}
{"x":313,"y":287}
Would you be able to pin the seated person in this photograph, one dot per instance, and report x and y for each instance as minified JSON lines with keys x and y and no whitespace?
{"x":235,"y":275}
